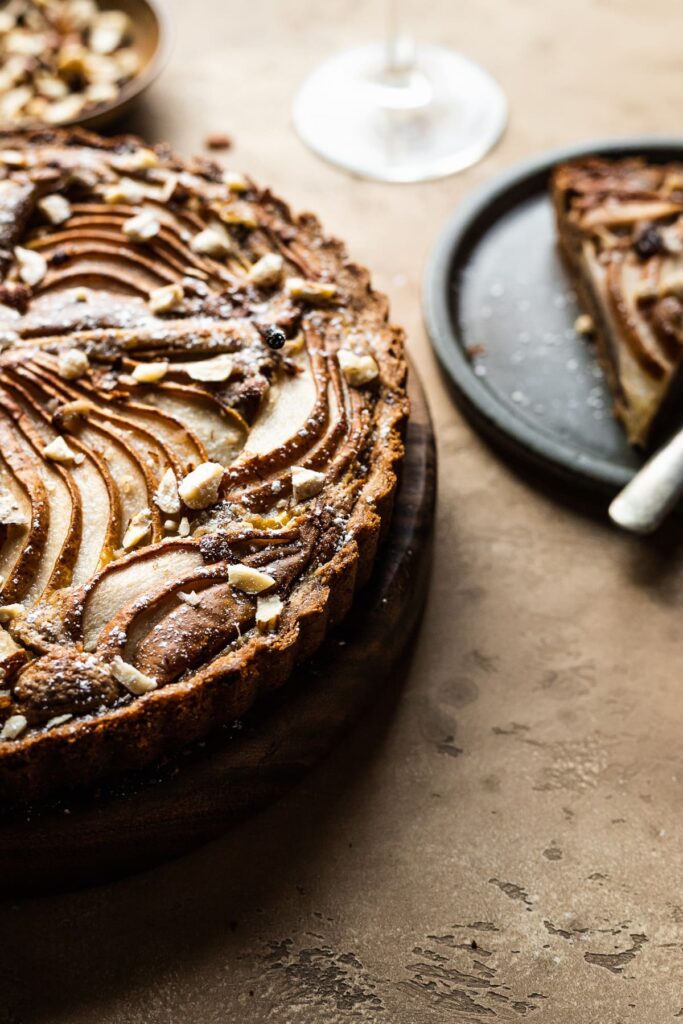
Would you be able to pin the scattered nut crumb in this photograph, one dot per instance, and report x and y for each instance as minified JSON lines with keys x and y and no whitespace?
{"x":584,"y":324}
{"x":218,"y":140}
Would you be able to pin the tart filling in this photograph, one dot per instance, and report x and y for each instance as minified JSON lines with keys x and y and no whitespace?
{"x":201,"y":405}
{"x":621,"y":230}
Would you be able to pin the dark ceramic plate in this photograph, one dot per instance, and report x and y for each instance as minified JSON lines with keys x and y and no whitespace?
{"x":500,"y":311}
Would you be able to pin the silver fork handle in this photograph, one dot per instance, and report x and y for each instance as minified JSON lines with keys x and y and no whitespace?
{"x":653,"y":491}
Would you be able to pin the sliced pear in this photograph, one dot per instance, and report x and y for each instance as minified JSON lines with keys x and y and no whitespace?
{"x":289,"y":404}
{"x":129,"y":579}
{"x":221,"y":432}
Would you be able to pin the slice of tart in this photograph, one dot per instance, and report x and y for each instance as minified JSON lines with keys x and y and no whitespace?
{"x":620,"y":225}
{"x":201,"y":415}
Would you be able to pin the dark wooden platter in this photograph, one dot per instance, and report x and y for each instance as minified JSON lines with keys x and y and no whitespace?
{"x":92,"y":837}
{"x":500,"y":311}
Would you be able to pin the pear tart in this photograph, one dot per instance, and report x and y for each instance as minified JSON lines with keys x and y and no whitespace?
{"x":201,"y":415}
{"x":621,"y":229}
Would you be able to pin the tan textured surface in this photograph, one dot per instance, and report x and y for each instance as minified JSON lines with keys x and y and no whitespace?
{"x":525,"y":792}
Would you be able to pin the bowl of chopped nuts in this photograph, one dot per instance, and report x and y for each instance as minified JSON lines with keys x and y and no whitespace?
{"x":77,"y":62}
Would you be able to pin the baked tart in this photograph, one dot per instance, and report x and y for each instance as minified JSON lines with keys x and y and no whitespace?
{"x":202,"y":406}
{"x":620,"y":225}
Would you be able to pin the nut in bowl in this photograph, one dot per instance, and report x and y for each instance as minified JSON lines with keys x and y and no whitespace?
{"x":76,"y":62}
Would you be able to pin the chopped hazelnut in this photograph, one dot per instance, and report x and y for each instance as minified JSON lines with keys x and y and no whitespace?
{"x":73,"y":363}
{"x":67,"y":109}
{"x":306,"y":483}
{"x":142,"y":227}
{"x":310,"y":291}
{"x":166,"y":497}
{"x":135,"y":682}
{"x":200,"y":488}
{"x":218,"y":368}
{"x":268,"y":611}
{"x":358,"y":370}
{"x":56,"y":208}
{"x":11,"y":611}
{"x":250,"y":580}
{"x":10,"y":512}
{"x":141,"y":159}
{"x":13,"y":727}
{"x":161,"y":300}
{"x":212,"y":242}
{"x":124,"y":191}
{"x":238,"y":213}
{"x":235,"y":182}
{"x":52,"y":723}
{"x":59,"y":451}
{"x":267,"y":271}
{"x":138,"y":530}
{"x":32,"y":266}
{"x":109,"y":31}
{"x":150,"y":373}
{"x":69,"y":414}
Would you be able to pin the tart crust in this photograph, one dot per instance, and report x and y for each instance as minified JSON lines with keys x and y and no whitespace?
{"x":152,"y":590}
{"x":620,"y":225}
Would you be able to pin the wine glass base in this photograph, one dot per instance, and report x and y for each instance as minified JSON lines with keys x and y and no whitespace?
{"x":443,"y":115}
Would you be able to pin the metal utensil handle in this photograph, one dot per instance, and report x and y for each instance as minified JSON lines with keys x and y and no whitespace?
{"x":653,"y":491}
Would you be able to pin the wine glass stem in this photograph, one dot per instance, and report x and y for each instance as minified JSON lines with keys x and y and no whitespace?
{"x":400,"y":46}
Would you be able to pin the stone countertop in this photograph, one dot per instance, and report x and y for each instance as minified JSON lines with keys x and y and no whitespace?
{"x":502,"y":840}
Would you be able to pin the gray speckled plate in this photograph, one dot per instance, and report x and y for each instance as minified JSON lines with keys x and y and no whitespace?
{"x":500,"y":311}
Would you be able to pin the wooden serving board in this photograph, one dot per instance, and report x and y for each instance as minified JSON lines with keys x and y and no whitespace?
{"x":197,"y":796}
